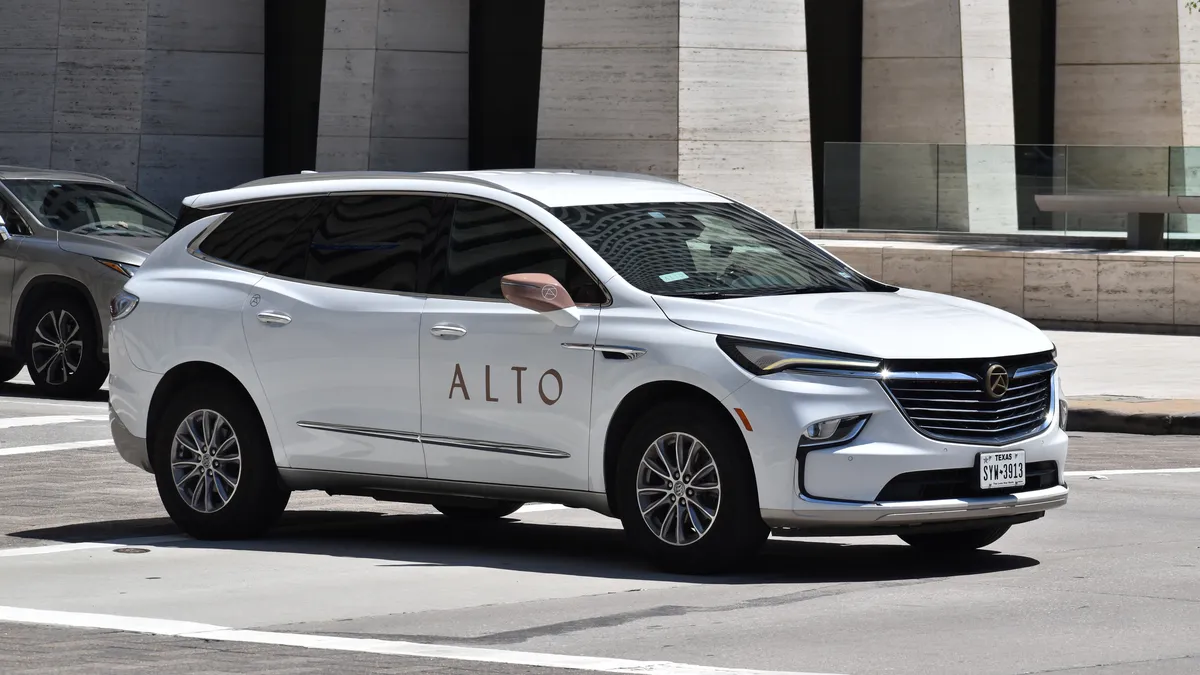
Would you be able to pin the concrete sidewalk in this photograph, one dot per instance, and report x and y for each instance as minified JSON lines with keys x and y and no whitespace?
{"x":1125,"y":383}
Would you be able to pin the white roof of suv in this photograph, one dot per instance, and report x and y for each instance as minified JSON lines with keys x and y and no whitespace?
{"x":547,"y":187}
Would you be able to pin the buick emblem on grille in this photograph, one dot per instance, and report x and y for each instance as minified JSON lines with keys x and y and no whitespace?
{"x":996,"y":381}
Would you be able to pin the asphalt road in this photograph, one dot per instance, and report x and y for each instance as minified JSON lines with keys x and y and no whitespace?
{"x":1110,"y":585}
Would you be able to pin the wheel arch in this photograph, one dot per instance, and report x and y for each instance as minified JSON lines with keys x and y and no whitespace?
{"x":643,"y":398}
{"x":174,"y":381}
{"x":47,"y":285}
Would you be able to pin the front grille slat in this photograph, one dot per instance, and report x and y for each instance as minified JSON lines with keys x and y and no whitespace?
{"x":945,"y":406}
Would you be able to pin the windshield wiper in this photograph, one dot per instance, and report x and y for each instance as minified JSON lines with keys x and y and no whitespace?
{"x":806,"y":290}
{"x":709,"y":295}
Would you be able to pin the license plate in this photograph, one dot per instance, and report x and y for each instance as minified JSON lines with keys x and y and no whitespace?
{"x":999,"y":470}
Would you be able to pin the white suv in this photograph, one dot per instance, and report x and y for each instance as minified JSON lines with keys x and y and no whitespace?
{"x":625,"y":344}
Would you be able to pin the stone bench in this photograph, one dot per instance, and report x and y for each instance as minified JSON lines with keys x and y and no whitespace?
{"x":1147,"y":214}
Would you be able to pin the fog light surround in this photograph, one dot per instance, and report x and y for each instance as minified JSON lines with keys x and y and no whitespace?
{"x":833,"y":431}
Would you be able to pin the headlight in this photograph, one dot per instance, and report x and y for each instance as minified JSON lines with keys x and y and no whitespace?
{"x":122,"y":305}
{"x":763,"y":358}
{"x":125,"y":269}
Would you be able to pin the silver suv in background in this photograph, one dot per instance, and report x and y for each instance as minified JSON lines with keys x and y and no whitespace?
{"x":68,"y":243}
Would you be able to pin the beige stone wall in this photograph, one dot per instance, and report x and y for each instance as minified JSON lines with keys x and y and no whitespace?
{"x":709,"y":92}
{"x":938,"y":72}
{"x":1139,"y":288}
{"x":394,"y":85}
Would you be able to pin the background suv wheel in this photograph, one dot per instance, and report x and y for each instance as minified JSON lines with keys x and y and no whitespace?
{"x":686,"y":491}
{"x":213,"y":465}
{"x":62,"y":348}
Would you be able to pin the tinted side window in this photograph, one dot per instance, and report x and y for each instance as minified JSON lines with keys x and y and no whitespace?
{"x":486,"y":242}
{"x":372,"y":241}
{"x":264,"y":236}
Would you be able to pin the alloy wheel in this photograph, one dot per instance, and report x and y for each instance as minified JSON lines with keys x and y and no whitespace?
{"x":678,"y":489}
{"x":57,"y":347}
{"x":206,"y":461}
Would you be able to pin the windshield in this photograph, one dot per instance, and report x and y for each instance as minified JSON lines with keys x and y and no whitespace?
{"x":92,"y":208}
{"x":708,"y":250}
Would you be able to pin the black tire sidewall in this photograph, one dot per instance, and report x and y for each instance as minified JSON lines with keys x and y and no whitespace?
{"x":92,"y":370}
{"x":738,"y":532}
{"x":259,"y":499}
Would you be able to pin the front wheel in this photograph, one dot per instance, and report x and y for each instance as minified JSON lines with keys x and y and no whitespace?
{"x":494,"y":512}
{"x":686,"y":492}
{"x":963,"y":541}
{"x":62,"y":348}
{"x":213,"y":465}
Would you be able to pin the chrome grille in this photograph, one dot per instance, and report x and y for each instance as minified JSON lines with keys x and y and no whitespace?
{"x":953,"y":406}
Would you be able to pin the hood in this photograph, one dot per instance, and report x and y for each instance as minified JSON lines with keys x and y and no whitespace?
{"x":121,"y":247}
{"x":905,"y":324}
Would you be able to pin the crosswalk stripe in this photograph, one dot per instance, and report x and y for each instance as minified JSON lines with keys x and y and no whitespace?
{"x":77,"y":445}
{"x":46,"y":420}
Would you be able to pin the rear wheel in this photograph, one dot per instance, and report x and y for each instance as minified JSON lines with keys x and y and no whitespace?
{"x":686,"y":492}
{"x":213,"y":465}
{"x":491,"y":512}
{"x":963,"y":541}
{"x":62,"y":348}
{"x":9,"y":368}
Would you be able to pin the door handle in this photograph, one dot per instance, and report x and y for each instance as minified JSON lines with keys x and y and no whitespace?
{"x":274,"y":318}
{"x":448,"y":331}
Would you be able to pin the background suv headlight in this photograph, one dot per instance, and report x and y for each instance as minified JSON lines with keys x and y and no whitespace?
{"x":124,"y":269}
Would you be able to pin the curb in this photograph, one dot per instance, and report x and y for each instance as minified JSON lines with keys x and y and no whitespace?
{"x":1134,"y":416}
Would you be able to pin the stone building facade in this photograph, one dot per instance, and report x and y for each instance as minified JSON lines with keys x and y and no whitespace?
{"x":746,"y":97}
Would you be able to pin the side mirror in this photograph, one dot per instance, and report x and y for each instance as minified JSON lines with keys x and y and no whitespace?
{"x":541,"y":293}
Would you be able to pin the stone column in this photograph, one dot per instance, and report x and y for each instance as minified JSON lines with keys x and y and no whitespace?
{"x":937,"y":74}
{"x":1128,"y":74}
{"x":164,"y":96}
{"x":710,"y":92}
{"x":394,"y":85}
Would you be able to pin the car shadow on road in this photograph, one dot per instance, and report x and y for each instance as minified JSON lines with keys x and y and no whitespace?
{"x":407,"y":540}
{"x":19,"y":390}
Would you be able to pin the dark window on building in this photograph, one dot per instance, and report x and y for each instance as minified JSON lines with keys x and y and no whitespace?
{"x":373,"y":242}
{"x":263,"y":236}
{"x":485,"y":242}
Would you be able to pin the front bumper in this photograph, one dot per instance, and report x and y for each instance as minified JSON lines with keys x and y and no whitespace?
{"x":839,"y":517}
{"x":841,"y":489}
{"x":131,"y":448}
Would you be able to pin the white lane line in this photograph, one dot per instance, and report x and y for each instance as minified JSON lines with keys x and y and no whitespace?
{"x":201,"y":631}
{"x":53,"y":447}
{"x":88,"y":545}
{"x":1130,"y":472}
{"x":47,"y":420}
{"x":52,"y":404}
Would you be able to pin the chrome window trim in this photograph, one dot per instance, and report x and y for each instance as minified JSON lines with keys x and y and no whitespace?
{"x":193,"y":248}
{"x":446,"y":441}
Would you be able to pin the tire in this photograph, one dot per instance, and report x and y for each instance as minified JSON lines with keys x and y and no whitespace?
{"x":495,"y":512}
{"x":257,"y":498}
{"x":733,"y":534}
{"x":963,"y":541}
{"x":62,"y":348}
{"x":9,"y":368}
